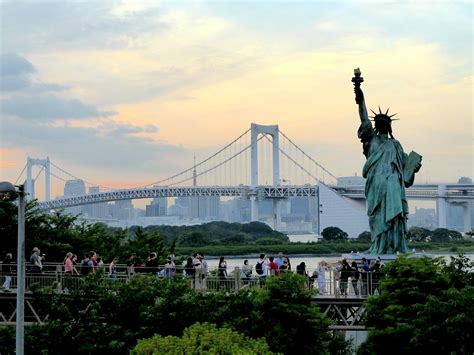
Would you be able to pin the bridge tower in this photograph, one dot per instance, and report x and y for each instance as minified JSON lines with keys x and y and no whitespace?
{"x":273,"y":131}
{"x":45,"y":163}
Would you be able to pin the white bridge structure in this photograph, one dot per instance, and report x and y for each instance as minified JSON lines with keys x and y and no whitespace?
{"x":239,"y":170}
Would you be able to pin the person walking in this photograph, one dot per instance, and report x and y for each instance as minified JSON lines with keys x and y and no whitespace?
{"x":7,"y":270}
{"x":113,"y":268}
{"x":222,"y":271}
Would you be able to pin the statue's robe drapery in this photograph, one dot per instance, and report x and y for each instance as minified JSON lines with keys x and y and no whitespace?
{"x":387,"y":206}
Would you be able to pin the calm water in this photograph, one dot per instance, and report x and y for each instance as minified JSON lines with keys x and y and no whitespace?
{"x":310,"y":261}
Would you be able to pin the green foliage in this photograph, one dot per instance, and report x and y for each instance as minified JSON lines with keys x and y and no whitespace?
{"x":445,"y":235}
{"x":334,"y":234}
{"x":202,"y":339}
{"x":365,"y":237}
{"x":100,"y":315}
{"x":418,"y":234}
{"x":424,"y":306}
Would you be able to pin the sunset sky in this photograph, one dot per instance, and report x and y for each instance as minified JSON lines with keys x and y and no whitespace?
{"x":126,"y":92}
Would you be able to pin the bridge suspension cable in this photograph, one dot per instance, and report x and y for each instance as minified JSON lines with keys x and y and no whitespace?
{"x":308,"y":156}
{"x":19,"y":176}
{"x":217,"y":165}
{"x":295,"y":162}
{"x":196,"y":165}
{"x":77,"y":178}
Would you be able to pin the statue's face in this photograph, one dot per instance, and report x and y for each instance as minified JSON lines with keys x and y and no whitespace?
{"x":382,"y":126}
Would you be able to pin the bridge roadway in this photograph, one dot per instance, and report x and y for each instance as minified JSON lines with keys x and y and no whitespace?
{"x":454,"y":192}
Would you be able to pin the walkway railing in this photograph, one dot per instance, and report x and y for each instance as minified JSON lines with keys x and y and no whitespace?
{"x":330,"y":286}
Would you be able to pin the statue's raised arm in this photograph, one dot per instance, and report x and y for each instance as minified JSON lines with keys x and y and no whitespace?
{"x":359,"y":95}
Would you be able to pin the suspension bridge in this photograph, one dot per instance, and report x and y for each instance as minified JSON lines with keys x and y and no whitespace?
{"x":262,"y":163}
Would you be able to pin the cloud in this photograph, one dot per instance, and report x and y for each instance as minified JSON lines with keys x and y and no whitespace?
{"x":30,"y":98}
{"x":15,"y":72}
{"x":49,"y":108}
{"x":67,"y":25}
{"x":111,"y":151}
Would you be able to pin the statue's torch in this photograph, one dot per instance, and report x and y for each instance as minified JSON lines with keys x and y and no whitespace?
{"x":357,"y":80}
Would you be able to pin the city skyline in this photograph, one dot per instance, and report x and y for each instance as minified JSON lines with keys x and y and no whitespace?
{"x":125,"y":93}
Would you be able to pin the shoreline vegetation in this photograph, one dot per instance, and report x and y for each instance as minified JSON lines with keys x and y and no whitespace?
{"x":321,"y":248}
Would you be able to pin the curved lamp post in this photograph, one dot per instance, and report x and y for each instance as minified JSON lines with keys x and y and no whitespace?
{"x":8,"y":191}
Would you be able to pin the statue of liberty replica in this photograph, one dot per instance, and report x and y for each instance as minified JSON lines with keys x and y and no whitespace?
{"x":388,"y":171}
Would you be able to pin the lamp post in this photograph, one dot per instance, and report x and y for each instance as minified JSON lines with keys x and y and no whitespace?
{"x":9,"y":191}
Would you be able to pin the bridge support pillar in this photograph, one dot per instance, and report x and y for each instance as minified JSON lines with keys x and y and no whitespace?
{"x":441,"y":205}
{"x":276,"y":214}
{"x":467,"y":216}
{"x":30,"y":190}
{"x":253,"y":209}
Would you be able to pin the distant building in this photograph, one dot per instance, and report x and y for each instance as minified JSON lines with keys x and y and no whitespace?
{"x":204,"y":207}
{"x":157,"y":207}
{"x":75,"y":188}
{"x":339,"y":211}
{"x":97,"y":210}
{"x":351,"y":181}
{"x":123,"y":210}
{"x":424,"y":218}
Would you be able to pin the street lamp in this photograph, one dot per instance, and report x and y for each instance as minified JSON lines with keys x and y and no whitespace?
{"x":10,"y":192}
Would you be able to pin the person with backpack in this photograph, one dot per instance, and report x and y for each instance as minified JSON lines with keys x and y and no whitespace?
{"x":261,"y":266}
{"x":86,"y":266}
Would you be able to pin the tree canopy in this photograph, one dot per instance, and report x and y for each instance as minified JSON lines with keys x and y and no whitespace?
{"x":202,"y":339}
{"x":424,"y":306}
{"x":334,"y":234}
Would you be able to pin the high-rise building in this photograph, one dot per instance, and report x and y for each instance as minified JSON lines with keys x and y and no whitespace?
{"x":157,"y":207}
{"x":204,"y":207}
{"x":97,"y":210}
{"x":123,"y":210}
{"x":74,"y":188}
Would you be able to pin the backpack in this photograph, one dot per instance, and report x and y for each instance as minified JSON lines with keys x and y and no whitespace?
{"x":85,"y":267}
{"x":259,"y":268}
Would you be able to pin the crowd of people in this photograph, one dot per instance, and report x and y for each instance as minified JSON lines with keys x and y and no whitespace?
{"x":352,"y":278}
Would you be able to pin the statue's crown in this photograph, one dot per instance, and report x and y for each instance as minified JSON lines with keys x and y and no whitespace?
{"x":383,"y":116}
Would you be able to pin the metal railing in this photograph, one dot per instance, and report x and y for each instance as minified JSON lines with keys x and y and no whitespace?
{"x":328,"y":285}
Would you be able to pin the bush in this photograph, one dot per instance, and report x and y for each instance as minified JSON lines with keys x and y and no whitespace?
{"x":203,"y":339}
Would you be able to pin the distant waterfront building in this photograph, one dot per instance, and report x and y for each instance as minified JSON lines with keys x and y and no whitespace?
{"x":424,"y":218}
{"x":74,"y":188}
{"x":180,"y":208}
{"x":123,"y":210}
{"x":204,"y":207}
{"x":351,"y":181}
{"x":157,"y":207}
{"x":339,"y":211}
{"x":97,"y":210}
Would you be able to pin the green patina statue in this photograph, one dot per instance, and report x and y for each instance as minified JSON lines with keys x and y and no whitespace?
{"x":388,"y":170}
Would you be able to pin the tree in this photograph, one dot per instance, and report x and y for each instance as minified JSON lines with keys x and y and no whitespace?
{"x":418,"y":234}
{"x":365,"y":237}
{"x":423,"y":306}
{"x":202,"y":339}
{"x":281,"y":312}
{"x":445,"y":235}
{"x":334,"y":234}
